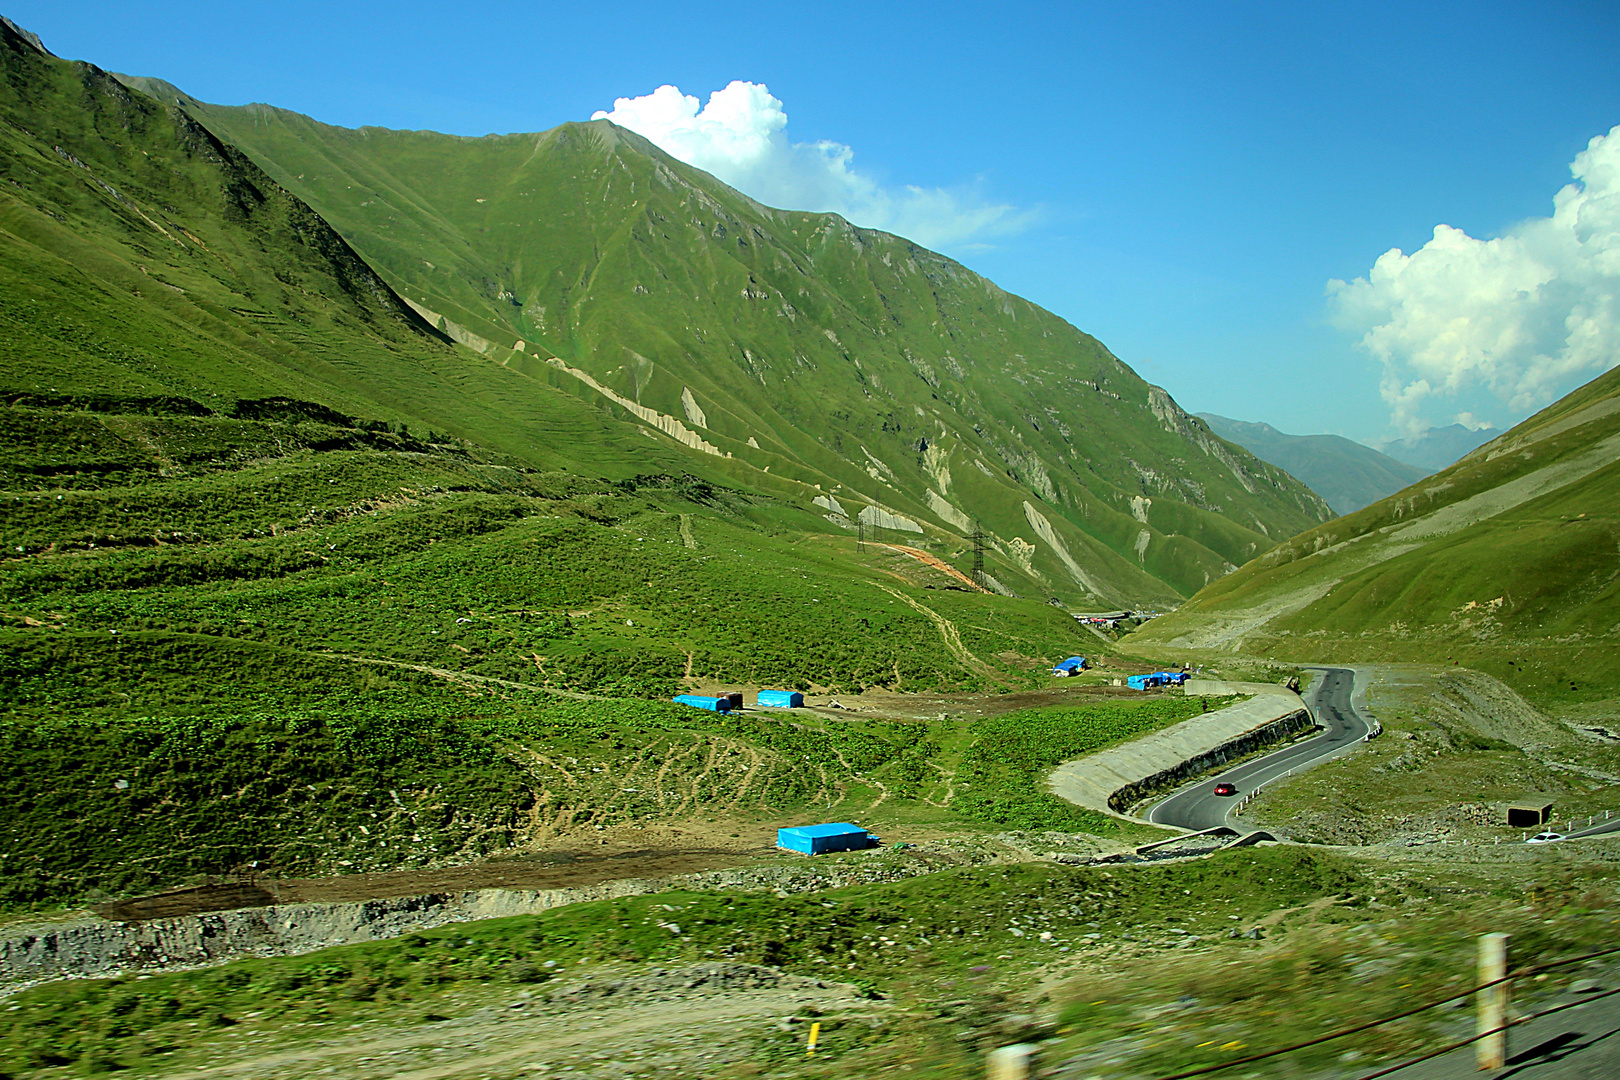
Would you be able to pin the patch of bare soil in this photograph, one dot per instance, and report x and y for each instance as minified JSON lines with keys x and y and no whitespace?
{"x":558,"y":868}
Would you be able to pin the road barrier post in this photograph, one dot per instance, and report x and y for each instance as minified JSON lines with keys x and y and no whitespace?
{"x":1011,"y":1062}
{"x":1491,"y":1050}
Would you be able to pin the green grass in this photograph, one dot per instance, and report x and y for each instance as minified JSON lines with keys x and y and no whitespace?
{"x":894,"y":938}
{"x":1138,"y":971}
{"x":337,"y":654}
{"x":309,"y":766}
{"x":1003,"y":773}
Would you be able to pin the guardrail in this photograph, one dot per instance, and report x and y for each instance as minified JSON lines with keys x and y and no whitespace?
{"x":1219,"y":830}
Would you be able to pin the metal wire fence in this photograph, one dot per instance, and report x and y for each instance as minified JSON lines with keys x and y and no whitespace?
{"x":1206,"y":1070}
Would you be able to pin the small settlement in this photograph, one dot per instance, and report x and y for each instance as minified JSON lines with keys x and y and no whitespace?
{"x":765,"y":699}
{"x":1154,"y":679}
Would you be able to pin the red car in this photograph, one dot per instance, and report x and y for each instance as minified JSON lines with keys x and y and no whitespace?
{"x":1225,"y":789}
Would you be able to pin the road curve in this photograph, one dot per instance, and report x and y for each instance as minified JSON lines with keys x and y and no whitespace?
{"x":1197,"y":807}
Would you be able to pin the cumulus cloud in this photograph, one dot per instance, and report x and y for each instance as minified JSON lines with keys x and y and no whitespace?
{"x":1524,"y":317}
{"x":740,"y":137}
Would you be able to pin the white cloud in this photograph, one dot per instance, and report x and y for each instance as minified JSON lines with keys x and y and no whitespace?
{"x":739,"y":136}
{"x":1524,"y":317}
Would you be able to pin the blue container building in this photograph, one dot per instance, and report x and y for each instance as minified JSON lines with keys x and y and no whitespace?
{"x":1143,"y":682}
{"x":1074,"y":665}
{"x":820,"y":839}
{"x":781,"y":699}
{"x":698,"y":701}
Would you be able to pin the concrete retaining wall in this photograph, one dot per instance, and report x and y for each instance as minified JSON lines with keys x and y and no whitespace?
{"x":1185,"y":750}
{"x":1215,"y":687}
{"x":1279,"y":730}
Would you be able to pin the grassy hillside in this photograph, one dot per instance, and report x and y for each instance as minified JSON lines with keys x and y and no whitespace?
{"x":146,"y":266}
{"x":1505,"y":562}
{"x":889,"y":375}
{"x":1346,"y":474}
{"x":317,"y":646}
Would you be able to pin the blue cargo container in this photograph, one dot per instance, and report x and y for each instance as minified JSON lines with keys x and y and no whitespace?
{"x":697,"y":701}
{"x":820,"y":839}
{"x":1143,"y":682}
{"x":781,"y":699}
{"x":1074,"y":665}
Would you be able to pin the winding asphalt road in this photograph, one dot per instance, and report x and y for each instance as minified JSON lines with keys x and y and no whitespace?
{"x":1197,"y":807}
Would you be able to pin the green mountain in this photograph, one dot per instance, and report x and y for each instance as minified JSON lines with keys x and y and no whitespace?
{"x":1346,"y":474}
{"x":143,"y":260}
{"x":292,"y":579}
{"x":895,"y":379}
{"x":1506,"y":562}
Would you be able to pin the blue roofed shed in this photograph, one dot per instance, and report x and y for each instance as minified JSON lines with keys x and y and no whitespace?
{"x":698,"y":701}
{"x":820,"y":839}
{"x":781,"y":699}
{"x":1074,"y":665}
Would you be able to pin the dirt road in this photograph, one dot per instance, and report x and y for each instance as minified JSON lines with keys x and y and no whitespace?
{"x":690,"y":1021}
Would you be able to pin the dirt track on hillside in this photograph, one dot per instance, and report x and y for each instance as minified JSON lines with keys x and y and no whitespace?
{"x":556,"y":869}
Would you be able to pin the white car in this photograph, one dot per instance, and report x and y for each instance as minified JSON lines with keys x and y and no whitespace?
{"x":1545,"y":838}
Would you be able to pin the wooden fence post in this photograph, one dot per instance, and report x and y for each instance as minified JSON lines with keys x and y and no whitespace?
{"x":1011,"y":1062}
{"x":1491,"y":1051}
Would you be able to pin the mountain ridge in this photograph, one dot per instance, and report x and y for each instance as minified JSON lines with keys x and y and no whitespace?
{"x":688,"y":291}
{"x":1347,"y":474}
{"x":1437,"y":447}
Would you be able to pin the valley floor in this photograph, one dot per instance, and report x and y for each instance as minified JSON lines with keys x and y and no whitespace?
{"x":920,"y":960}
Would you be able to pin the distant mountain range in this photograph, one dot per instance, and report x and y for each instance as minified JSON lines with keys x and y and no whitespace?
{"x":1437,"y":447}
{"x":1345,"y":473}
{"x":1505,"y":561}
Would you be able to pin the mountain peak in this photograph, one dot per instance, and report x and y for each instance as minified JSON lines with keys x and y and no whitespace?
{"x":27,"y":36}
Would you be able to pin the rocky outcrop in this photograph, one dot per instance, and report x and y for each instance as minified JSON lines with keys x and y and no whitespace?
{"x":694,"y":412}
{"x":884,"y":519}
{"x":947,"y":513}
{"x":453,"y":330}
{"x":667,"y":424}
{"x":1044,"y":530}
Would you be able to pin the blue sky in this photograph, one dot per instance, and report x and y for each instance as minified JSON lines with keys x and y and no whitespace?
{"x":1181,"y":180}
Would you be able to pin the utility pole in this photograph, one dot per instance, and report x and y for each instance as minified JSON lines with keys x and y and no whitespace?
{"x":978,"y":555}
{"x":860,"y":535}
